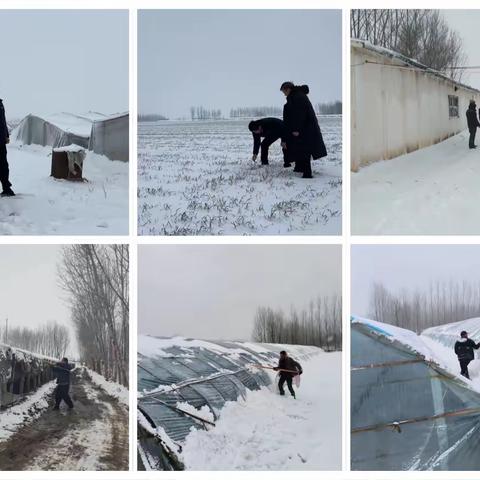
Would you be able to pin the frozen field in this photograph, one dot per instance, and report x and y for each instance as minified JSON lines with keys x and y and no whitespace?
{"x":197,"y":178}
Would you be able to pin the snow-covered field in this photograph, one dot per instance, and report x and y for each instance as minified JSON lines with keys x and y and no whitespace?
{"x":432,"y":191}
{"x":269,"y":432}
{"x":197,"y":178}
{"x":46,"y":206}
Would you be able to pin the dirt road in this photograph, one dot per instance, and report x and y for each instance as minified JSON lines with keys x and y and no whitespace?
{"x":92,"y":436}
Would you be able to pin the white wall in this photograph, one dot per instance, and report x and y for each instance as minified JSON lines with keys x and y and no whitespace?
{"x":398,"y":110}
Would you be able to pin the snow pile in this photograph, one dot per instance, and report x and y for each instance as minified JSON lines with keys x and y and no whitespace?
{"x":111,"y":388}
{"x":432,"y":191}
{"x":197,"y":178}
{"x":14,"y":417}
{"x":46,"y":206}
{"x":268,"y":432}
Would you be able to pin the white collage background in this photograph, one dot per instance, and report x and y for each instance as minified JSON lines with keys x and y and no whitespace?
{"x":346,"y":240}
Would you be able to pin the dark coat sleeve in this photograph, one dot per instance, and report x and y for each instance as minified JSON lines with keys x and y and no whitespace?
{"x":256,"y":143}
{"x":3,"y":123}
{"x":298,"y":366}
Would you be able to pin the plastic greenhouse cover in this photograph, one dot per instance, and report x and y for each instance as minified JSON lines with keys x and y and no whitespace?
{"x":184,"y":383}
{"x":109,"y":137}
{"x":407,"y":413}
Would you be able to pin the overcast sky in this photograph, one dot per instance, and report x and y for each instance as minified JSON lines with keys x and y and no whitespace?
{"x":467,"y":24}
{"x":213,"y":291}
{"x":408,"y":267}
{"x":231,"y":58}
{"x":64,"y":61}
{"x":30,"y":295}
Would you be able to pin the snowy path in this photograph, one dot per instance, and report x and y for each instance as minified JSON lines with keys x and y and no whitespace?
{"x":270,"y":432}
{"x":93,"y":436}
{"x":431,"y":191}
{"x":46,"y":206}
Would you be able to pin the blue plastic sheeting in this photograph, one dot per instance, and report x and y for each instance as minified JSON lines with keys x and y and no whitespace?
{"x":407,"y":414}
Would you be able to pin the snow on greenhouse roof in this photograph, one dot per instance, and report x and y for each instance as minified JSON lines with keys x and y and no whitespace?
{"x":450,"y":332}
{"x":391,"y":54}
{"x":24,"y":354}
{"x":406,"y":338}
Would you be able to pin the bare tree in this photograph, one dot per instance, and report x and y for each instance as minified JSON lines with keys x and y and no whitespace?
{"x":320,"y":324}
{"x":96,"y":279}
{"x":423,"y":35}
{"x":442,"y":302}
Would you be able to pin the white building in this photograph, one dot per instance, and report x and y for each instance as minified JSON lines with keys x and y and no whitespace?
{"x":399,"y":105}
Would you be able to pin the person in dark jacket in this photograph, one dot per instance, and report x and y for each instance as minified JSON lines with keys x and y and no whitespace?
{"x":271,"y":129}
{"x":472,"y":122}
{"x":287,"y":367}
{"x":4,"y":141}
{"x":304,"y":139}
{"x":464,"y":349}
{"x":62,"y":372}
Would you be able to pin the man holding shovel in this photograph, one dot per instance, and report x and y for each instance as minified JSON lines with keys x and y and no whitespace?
{"x":288,"y":369}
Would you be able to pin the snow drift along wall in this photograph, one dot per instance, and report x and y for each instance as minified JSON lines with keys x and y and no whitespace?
{"x":407,"y":412}
{"x":184,"y":383}
{"x":399,"y":105}
{"x":21,"y":373}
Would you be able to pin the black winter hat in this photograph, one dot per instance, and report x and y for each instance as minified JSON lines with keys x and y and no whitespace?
{"x":463,"y":334}
{"x":253,"y":125}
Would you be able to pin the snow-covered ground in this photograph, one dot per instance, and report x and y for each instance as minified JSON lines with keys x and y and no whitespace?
{"x":46,"y":206}
{"x":197,"y":178}
{"x":432,"y":191}
{"x":269,"y":432}
{"x":92,"y":436}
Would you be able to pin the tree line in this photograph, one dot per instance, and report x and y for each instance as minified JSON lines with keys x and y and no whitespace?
{"x":201,"y":113}
{"x":320,"y":324}
{"x":151,"y":117}
{"x":254,"y":112}
{"x":96,"y":279}
{"x":423,"y":35}
{"x":329,"y":108}
{"x":51,"y":339}
{"x":442,"y":302}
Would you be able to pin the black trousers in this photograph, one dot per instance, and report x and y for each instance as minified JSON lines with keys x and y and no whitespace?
{"x":286,"y":378}
{"x":4,"y":170}
{"x":471,"y":140}
{"x":464,"y":367}
{"x":265,"y":145}
{"x":61,"y":393}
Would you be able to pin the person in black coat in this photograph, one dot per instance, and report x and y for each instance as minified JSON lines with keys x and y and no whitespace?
{"x":304,"y":139}
{"x":464,"y":349}
{"x":62,"y":372}
{"x":271,"y":129}
{"x":472,"y":122}
{"x":287,"y":367}
{"x":4,"y":140}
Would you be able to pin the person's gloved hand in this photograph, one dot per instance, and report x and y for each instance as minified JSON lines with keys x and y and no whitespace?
{"x":275,"y":368}
{"x":254,"y":157}
{"x":300,"y":372}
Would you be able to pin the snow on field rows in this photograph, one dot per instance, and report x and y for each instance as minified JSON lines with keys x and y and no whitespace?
{"x":197,"y":178}
{"x":431,"y":191}
{"x":46,"y":206}
{"x":269,"y":432}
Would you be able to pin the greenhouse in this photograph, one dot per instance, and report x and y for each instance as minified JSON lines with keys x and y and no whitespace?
{"x":407,"y":412}
{"x":21,"y":373}
{"x":183,"y":384}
